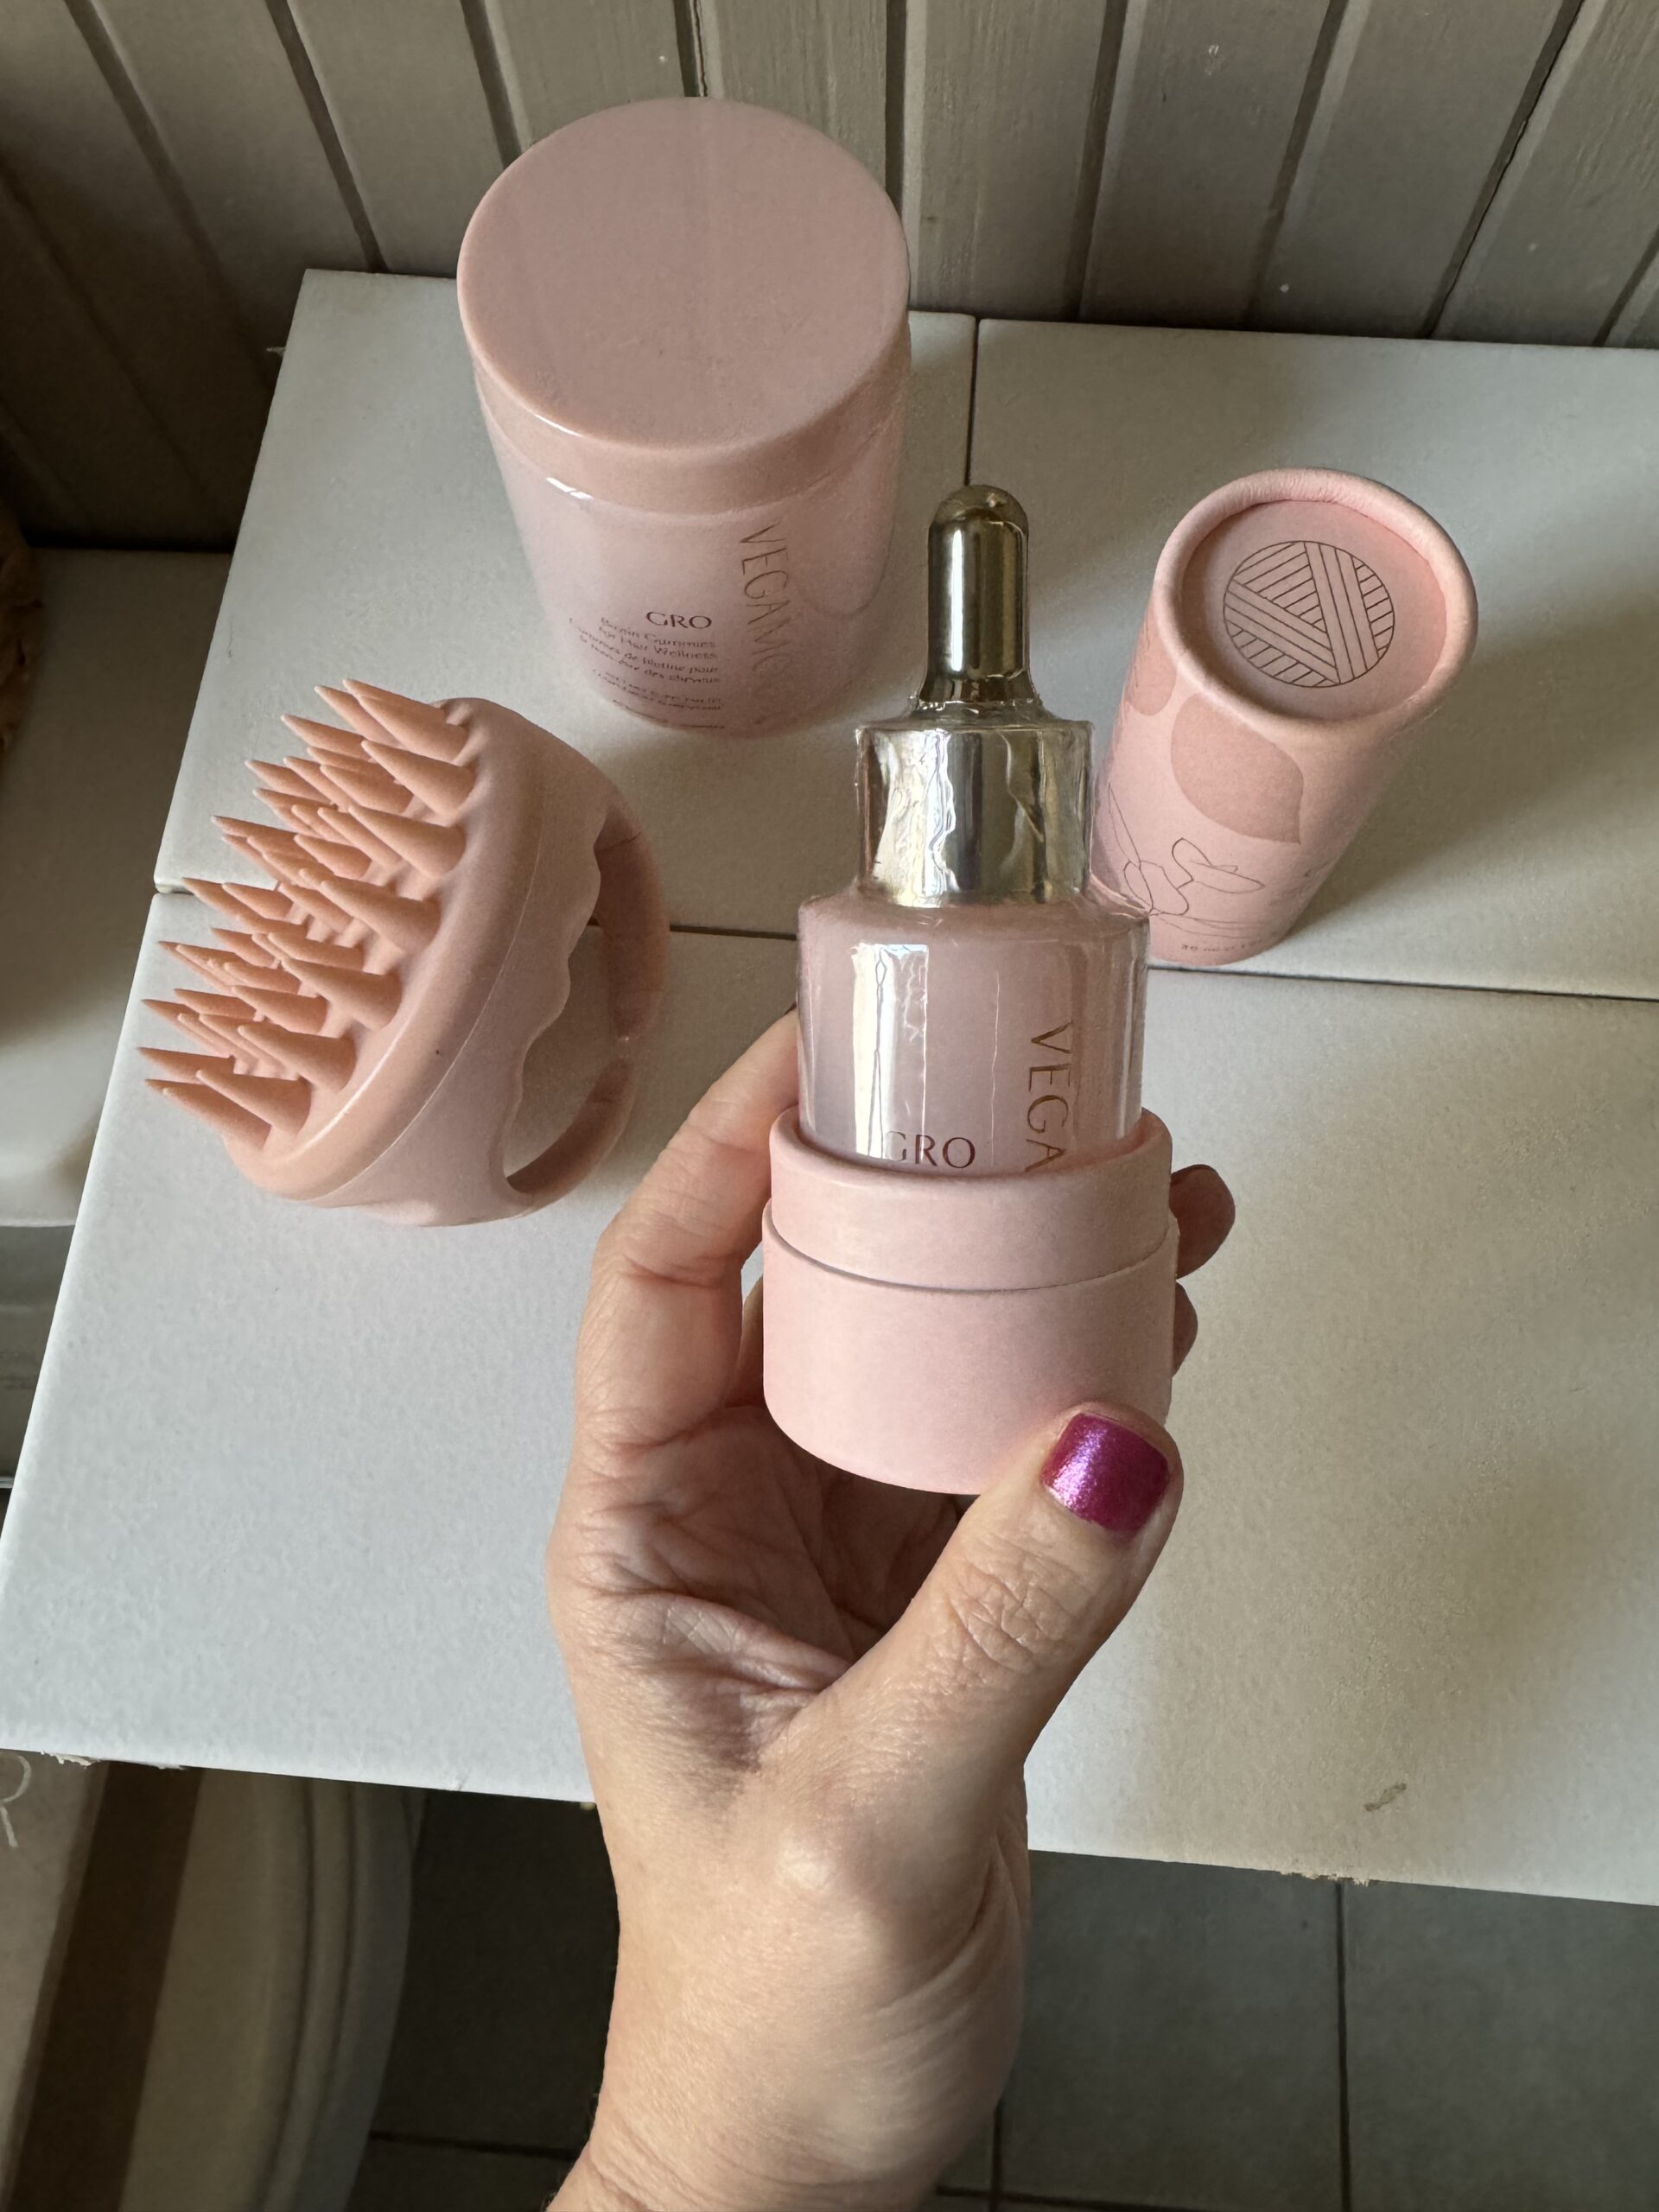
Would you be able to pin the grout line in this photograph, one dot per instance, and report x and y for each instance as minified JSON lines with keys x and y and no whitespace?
{"x":1307,"y":107}
{"x":1344,"y":2139}
{"x":471,"y":2143}
{"x":298,"y":56}
{"x":486,"y":59}
{"x":1085,"y":2204}
{"x":1532,"y":93}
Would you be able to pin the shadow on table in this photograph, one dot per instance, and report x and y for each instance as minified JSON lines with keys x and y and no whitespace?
{"x":1536,"y":743}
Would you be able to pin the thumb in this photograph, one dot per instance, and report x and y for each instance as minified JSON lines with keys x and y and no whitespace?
{"x":1040,"y":1570}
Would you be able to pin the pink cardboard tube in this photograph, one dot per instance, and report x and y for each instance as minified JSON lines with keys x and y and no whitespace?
{"x":1303,"y":624}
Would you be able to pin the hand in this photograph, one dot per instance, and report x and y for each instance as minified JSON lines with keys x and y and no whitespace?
{"x":806,"y":1702}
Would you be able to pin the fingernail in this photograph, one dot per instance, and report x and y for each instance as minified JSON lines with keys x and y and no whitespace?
{"x":1107,"y":1472}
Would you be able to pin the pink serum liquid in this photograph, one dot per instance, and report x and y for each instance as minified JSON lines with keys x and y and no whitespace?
{"x":966,"y":1039}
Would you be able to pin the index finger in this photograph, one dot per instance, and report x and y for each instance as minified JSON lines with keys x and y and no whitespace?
{"x":659,"y":1341}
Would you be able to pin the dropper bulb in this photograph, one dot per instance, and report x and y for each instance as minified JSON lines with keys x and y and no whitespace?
{"x":977,"y":638}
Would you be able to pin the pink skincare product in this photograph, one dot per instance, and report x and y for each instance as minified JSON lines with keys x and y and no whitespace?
{"x":369,"y":1014}
{"x":688,"y":324}
{"x":1303,"y":625}
{"x":970,"y":1227}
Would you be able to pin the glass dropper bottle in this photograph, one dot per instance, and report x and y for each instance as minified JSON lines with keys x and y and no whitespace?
{"x":970,"y":1004}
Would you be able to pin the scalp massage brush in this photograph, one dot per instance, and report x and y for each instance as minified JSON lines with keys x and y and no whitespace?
{"x":363,"y":1036}
{"x":970,"y":1229}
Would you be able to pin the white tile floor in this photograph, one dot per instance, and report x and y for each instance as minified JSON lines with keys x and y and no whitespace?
{"x":1197,"y":2039}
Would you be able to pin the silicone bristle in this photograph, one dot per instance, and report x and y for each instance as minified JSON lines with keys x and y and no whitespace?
{"x":194,"y":955}
{"x":323,"y":737}
{"x":184,"y":1067}
{"x":349,"y":826}
{"x":238,"y":831}
{"x":243,"y":976}
{"x":286,"y":866}
{"x":293,"y":1006}
{"x":325,"y":1061}
{"x":242,"y":902}
{"x":283,"y":1101}
{"x":318,"y":780}
{"x":245,"y":947}
{"x":221,"y":1114}
{"x":213,"y":1006}
{"x":271,"y":844}
{"x":192,"y":1026}
{"x":329,"y":853}
{"x":440,"y":785}
{"x":288,"y":944}
{"x":409,"y":923}
{"x":350,"y":710}
{"x":411,"y":721}
{"x":222,"y":967}
{"x":309,"y":899}
{"x":371,"y":1000}
{"x":280,"y":776}
{"x":429,"y":845}
{"x":359,"y":784}
{"x":290,"y":812}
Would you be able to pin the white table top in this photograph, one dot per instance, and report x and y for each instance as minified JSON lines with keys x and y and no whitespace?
{"x":284,"y":1505}
{"x":283,"y":1502}
{"x":1517,"y":848}
{"x":378,"y":543}
{"x":83,"y":792}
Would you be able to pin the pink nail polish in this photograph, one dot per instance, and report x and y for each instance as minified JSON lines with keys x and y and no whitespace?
{"x":1106,"y":1472}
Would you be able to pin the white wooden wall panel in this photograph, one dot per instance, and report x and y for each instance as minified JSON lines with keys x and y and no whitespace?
{"x":998,"y":105}
{"x":71,"y":157}
{"x":560,"y":59}
{"x":28,"y":484}
{"x":1203,"y":111}
{"x":91,"y":431}
{"x":1488,"y":167}
{"x":1574,"y":220}
{"x":406,"y":99}
{"x":1413,"y":116}
{"x":1637,"y":321}
{"x":825,"y":61}
{"x":218,"y":84}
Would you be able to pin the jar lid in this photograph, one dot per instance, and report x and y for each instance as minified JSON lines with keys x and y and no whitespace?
{"x":686,"y":304}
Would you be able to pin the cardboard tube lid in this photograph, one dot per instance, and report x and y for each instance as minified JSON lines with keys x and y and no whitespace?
{"x":688,"y":306}
{"x":1057,"y":1224}
{"x":922,"y":1329}
{"x":1305,"y":596}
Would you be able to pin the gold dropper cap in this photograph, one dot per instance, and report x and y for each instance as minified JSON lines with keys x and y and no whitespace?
{"x":978,"y":793}
{"x":978,"y":648}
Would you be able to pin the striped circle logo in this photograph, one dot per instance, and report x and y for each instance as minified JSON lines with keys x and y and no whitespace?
{"x":1308,"y":614}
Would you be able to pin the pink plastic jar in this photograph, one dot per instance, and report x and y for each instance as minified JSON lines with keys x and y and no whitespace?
{"x":687,"y":320}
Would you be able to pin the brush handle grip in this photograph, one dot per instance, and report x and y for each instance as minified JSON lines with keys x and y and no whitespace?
{"x":631,"y":917}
